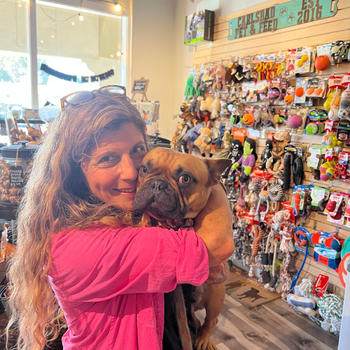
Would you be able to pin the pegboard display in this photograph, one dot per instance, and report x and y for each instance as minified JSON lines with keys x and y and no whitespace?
{"x":291,"y":81}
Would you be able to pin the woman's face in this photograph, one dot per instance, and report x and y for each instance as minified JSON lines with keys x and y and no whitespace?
{"x":111,"y":170}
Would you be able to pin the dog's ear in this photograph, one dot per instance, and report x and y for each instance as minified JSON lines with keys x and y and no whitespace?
{"x":216,"y":167}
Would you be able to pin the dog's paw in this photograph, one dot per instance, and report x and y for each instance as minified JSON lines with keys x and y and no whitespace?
{"x":203,"y":341}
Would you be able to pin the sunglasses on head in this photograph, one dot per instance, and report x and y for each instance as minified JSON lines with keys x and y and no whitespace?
{"x":79,"y":98}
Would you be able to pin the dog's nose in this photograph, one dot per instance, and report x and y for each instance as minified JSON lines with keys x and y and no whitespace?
{"x":159,"y":185}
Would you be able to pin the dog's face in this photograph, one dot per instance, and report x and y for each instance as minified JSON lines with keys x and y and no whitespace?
{"x":175,"y":185}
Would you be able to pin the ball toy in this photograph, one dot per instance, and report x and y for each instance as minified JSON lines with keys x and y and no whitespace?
{"x":295,"y":121}
{"x":299,"y":92}
{"x":322,"y":62}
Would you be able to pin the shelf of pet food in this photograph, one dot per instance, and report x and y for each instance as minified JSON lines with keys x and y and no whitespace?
{"x":221,"y":23}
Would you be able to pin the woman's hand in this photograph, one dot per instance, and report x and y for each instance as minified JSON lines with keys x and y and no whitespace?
{"x":214,"y":225}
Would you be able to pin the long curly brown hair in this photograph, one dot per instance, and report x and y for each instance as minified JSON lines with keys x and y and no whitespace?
{"x":56,"y":198}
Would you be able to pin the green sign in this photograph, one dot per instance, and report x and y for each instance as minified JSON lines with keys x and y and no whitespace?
{"x":281,"y":16}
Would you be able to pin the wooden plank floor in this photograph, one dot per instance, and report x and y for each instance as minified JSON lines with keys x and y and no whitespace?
{"x":272,"y":326}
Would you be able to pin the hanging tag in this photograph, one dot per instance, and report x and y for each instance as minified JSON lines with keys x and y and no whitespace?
{"x":217,"y":125}
{"x":16,"y":176}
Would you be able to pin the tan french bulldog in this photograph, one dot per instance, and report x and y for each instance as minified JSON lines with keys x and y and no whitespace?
{"x":175,"y":187}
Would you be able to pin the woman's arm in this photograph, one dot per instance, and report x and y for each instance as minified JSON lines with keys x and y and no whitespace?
{"x":214,"y":225}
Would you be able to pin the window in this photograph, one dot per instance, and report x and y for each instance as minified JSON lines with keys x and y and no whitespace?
{"x":14,"y":78}
{"x":84,"y":46}
{"x":80,"y":46}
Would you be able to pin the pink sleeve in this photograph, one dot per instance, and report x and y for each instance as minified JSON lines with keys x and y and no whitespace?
{"x":95,"y":265}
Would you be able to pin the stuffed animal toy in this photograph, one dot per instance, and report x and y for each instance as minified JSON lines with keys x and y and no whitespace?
{"x":228,"y":75}
{"x":189,"y":90}
{"x":203,"y":141}
{"x":247,"y":160}
{"x":235,"y":155}
{"x":197,"y":84}
{"x":266,"y":154}
{"x":239,"y":73}
{"x":206,"y":80}
{"x":215,"y":108}
{"x":227,"y":139}
{"x":216,"y":139}
{"x":344,"y":109}
{"x":206,"y":107}
{"x":250,"y":96}
{"x":195,"y":108}
{"x":191,"y":136}
{"x":187,"y":116}
{"x":220,"y":83}
{"x":174,"y":144}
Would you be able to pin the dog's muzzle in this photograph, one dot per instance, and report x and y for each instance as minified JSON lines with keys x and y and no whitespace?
{"x":159,"y":198}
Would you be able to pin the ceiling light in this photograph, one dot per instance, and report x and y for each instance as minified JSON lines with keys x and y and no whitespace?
{"x":52,"y":36}
{"x":112,"y":56}
{"x":118,"y":7}
{"x":19,"y":5}
{"x":119,"y":53}
{"x":42,"y":41}
{"x":81,"y":18}
{"x":72,"y":23}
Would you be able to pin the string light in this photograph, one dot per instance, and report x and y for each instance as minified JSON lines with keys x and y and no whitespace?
{"x":52,"y":36}
{"x":81,"y":18}
{"x":119,"y":53}
{"x":118,"y":7}
{"x":73,"y":23}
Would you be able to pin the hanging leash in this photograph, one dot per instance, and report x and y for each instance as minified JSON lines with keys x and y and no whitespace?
{"x":181,"y":318}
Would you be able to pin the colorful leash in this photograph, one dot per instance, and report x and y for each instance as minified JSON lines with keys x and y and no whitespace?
{"x":302,"y":240}
{"x":181,"y":318}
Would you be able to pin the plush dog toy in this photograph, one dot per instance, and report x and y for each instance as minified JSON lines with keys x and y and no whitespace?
{"x":191,"y":137}
{"x":220,"y":83}
{"x":203,"y":142}
{"x":182,"y":198}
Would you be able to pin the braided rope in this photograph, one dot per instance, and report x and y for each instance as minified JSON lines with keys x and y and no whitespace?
{"x":331,"y":309}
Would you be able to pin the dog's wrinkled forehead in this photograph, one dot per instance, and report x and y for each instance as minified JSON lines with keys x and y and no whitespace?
{"x":173,"y":164}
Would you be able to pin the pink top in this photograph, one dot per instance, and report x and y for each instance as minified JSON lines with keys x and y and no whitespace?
{"x":110,"y":282}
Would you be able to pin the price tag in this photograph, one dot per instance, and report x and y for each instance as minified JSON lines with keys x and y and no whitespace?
{"x":217,"y":125}
{"x":16,"y":176}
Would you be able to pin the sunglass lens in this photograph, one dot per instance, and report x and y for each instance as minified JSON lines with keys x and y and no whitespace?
{"x":80,"y":97}
{"x":115,"y":90}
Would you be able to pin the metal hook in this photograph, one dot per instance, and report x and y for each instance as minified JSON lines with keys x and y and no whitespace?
{"x":337,"y":230}
{"x":315,"y":223}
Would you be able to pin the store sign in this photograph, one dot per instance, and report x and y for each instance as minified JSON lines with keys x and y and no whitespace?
{"x":281,"y":16}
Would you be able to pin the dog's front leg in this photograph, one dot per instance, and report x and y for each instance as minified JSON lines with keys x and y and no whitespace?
{"x":213,"y":301}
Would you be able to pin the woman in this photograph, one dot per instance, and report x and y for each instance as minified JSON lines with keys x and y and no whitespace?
{"x":79,"y":235}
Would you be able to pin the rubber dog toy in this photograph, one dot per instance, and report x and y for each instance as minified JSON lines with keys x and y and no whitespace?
{"x":329,"y":242}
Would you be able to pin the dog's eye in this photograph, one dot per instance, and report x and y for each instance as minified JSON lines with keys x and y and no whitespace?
{"x":185,"y":179}
{"x":143,"y":170}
